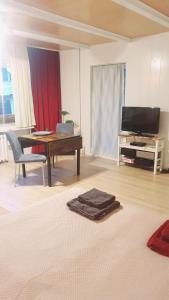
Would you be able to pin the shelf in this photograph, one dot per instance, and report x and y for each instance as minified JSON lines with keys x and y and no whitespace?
{"x":150,"y":168}
{"x":145,"y":148}
{"x":152,"y":138}
{"x":153,"y":145}
{"x":145,"y":164}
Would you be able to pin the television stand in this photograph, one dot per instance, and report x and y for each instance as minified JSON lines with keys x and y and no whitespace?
{"x":153,"y":144}
{"x":147,"y":135}
{"x":142,"y":134}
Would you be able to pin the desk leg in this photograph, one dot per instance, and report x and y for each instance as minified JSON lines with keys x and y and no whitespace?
{"x":49,"y":171}
{"x":78,"y":162}
{"x":23,"y":170}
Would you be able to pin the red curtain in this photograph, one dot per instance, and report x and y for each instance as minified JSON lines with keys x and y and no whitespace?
{"x":45,"y":79}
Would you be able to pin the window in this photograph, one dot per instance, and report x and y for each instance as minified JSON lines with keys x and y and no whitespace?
{"x":6,"y":97}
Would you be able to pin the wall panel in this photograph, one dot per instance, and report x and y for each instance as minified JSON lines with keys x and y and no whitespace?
{"x":147,"y":82}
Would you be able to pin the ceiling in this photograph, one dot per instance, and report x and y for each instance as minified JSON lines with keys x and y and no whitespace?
{"x":161,"y":6}
{"x":65,"y":24}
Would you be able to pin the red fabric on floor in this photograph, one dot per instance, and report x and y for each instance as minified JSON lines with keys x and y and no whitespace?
{"x":45,"y":79}
{"x":157,"y":243}
{"x":165,"y":233}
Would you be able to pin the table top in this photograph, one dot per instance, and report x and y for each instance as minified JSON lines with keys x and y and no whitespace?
{"x":49,"y":138}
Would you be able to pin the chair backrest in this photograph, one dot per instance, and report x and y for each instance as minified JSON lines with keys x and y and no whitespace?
{"x":14,"y":143}
{"x":65,"y":128}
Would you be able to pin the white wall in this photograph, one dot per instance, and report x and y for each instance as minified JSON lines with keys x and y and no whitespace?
{"x":69,"y":64}
{"x":147,"y":84}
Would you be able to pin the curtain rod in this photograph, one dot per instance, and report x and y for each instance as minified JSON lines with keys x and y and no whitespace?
{"x":111,"y":64}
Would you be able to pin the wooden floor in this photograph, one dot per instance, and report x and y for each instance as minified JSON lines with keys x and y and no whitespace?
{"x":126,"y":183}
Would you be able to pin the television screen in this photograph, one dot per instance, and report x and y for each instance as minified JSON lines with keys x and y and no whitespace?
{"x":140,"y":119}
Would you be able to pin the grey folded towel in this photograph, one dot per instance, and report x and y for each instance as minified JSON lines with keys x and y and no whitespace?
{"x":96,"y":198}
{"x":90,"y":212}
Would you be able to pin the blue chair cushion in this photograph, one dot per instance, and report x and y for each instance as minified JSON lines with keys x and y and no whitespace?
{"x":26,"y":158}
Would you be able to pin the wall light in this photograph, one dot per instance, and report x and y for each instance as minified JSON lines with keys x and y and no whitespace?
{"x":156,"y":63}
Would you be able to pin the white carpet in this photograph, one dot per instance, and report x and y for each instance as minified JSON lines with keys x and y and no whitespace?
{"x":3,"y":211}
{"x":50,"y":253}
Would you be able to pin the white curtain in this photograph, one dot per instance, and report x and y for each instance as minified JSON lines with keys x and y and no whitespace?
{"x":21,"y":83}
{"x":107,"y":99}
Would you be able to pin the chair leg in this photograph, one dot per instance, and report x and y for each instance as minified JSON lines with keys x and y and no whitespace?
{"x":15,"y":176}
{"x":19,"y":170}
{"x":43,"y":174}
{"x":53,"y":161}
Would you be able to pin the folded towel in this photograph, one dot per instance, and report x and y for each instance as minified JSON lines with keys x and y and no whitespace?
{"x":156,"y":242}
{"x":90,"y":212}
{"x":96,"y":198}
{"x":165,"y":232}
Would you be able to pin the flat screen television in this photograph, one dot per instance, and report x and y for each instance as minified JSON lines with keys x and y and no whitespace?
{"x":140,"y":120}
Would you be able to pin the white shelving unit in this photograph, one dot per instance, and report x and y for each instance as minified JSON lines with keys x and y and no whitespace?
{"x":154,"y":144}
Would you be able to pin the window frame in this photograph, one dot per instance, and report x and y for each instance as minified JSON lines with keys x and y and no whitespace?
{"x":5,"y":118}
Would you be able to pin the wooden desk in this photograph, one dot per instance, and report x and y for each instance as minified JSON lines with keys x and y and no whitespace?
{"x":54,"y":145}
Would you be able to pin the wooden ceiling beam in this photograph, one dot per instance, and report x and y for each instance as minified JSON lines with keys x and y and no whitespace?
{"x":144,"y":10}
{"x":46,"y":39}
{"x":16,"y":7}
